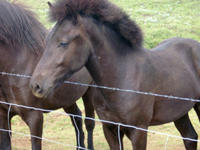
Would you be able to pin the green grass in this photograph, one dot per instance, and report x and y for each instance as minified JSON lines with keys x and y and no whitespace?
{"x":159,"y":20}
{"x":162,"y":19}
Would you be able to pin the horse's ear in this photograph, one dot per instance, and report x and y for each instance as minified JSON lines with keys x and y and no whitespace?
{"x":72,"y":13}
{"x":49,"y":4}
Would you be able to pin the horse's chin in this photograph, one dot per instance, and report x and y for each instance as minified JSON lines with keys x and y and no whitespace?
{"x":40,"y":96}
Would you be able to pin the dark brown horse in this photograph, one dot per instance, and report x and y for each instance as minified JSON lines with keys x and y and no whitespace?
{"x":100,"y":36}
{"x":21,"y":46}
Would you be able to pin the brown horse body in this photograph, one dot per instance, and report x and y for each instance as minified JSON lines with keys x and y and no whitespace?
{"x":21,"y":46}
{"x":98,"y":35}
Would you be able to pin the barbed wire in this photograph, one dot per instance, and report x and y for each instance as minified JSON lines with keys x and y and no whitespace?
{"x":111,"y":88}
{"x":99,"y":120}
{"x":93,"y":119}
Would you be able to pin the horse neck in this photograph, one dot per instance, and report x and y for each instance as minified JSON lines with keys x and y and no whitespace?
{"x":15,"y":58}
{"x":110,"y":56}
{"x":29,"y":61}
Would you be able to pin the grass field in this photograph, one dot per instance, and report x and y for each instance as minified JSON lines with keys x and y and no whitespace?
{"x":159,"y":20}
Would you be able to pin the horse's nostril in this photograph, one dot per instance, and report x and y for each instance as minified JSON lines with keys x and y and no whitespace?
{"x":38,"y":88}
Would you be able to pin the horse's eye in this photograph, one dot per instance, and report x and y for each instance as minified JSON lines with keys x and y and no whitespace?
{"x":63,"y":44}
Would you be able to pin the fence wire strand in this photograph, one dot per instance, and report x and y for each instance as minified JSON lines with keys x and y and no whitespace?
{"x":100,"y":120}
{"x":112,"y":88}
{"x":119,"y":137}
{"x":44,"y":139}
{"x":9,"y":126}
{"x":167,"y":139}
{"x":78,"y":132}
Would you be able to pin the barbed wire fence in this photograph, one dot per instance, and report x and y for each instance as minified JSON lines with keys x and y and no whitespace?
{"x":96,"y":120}
{"x":10,"y":105}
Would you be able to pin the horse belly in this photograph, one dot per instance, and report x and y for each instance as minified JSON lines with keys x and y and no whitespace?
{"x":169,"y":110}
{"x":181,"y":83}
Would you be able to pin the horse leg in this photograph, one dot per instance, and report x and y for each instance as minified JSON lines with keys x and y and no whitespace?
{"x":77,"y":123}
{"x":112,"y":137}
{"x":89,"y":111}
{"x":197,"y":110}
{"x":5,"y":141}
{"x":138,"y":138}
{"x":186,"y":129}
{"x":34,"y":120}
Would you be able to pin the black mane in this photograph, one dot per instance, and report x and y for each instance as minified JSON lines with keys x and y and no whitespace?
{"x":19,"y":27}
{"x":103,"y":11}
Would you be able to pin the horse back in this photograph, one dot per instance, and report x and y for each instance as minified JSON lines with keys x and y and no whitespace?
{"x":177,"y":63}
{"x":187,"y":49}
